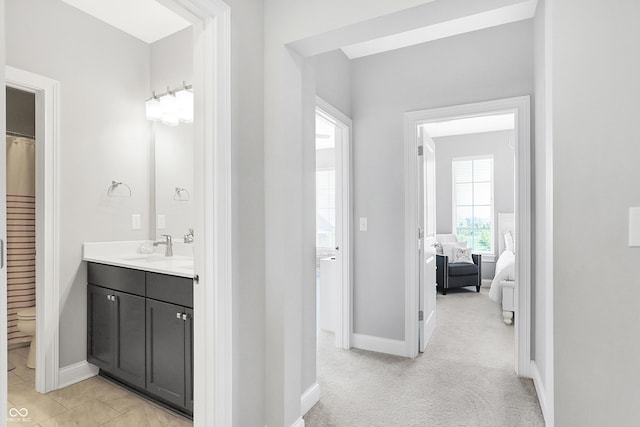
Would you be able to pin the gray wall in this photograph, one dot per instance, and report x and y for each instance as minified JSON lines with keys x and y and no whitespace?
{"x":248,"y":189}
{"x":333,"y":79}
{"x":21,"y":112}
{"x":487,"y":143}
{"x":595,"y":180}
{"x":479,"y":66}
{"x":104,"y":80}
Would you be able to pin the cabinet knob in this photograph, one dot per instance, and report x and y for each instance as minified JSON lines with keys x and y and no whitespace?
{"x":185,"y":316}
{"x":179,"y":316}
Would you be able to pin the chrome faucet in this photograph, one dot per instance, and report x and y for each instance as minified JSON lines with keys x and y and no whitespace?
{"x":169,"y":250}
{"x":188,"y":238}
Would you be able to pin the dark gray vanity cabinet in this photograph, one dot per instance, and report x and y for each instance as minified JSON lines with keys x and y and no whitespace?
{"x":116,"y":333}
{"x":140,"y":331}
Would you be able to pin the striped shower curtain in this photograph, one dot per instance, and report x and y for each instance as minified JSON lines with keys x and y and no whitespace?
{"x":21,"y":232}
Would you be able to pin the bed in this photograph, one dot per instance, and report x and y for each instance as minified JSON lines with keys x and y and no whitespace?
{"x":504,"y":282}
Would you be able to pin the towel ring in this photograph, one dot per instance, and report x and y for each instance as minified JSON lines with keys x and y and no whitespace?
{"x":114,"y":185}
{"x":177,"y":196}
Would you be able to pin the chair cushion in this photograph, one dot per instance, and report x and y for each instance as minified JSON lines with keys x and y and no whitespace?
{"x":462,"y":269}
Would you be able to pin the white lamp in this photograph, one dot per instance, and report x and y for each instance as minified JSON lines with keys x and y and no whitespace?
{"x":184,"y":100}
{"x":169,"y":107}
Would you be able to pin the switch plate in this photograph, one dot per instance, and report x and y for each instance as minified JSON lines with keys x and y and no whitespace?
{"x":135,"y":222}
{"x":162,"y":224}
{"x":363,"y":223}
{"x":634,"y":227}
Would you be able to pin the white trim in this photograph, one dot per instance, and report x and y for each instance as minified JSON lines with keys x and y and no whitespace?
{"x":540,"y":389}
{"x":378,"y":344}
{"x":75,"y":373}
{"x":548,"y":107}
{"x":345,"y":313}
{"x":213,"y":331}
{"x":47,"y":93}
{"x":309,"y":398}
{"x":520,"y":106}
{"x":298,"y":423}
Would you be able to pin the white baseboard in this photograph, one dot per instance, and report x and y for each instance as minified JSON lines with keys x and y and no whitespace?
{"x":309,"y":398}
{"x":379,"y":344}
{"x":486,"y":283}
{"x":540,"y":389}
{"x":298,"y":423}
{"x":75,"y":373}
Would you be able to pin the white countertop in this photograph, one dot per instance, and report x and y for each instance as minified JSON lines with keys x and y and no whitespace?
{"x":126,"y":254}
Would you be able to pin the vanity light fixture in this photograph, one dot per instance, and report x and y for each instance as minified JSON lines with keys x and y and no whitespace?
{"x":171,"y":107}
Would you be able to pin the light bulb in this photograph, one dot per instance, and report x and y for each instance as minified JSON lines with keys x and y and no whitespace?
{"x":184,"y":99}
{"x":169,"y":107}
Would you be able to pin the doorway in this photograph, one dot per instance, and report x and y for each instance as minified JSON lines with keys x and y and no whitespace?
{"x":333,"y":222}
{"x":44,"y":92}
{"x":21,"y":233}
{"x":414,"y":121}
{"x":213,"y":295}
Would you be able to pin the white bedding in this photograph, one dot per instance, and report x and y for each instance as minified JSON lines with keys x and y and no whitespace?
{"x":505,"y":270}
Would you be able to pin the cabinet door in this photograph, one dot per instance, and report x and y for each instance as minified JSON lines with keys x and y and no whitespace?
{"x":100,"y":338}
{"x":129,"y":352}
{"x":166,"y":352}
{"x":188,"y":345}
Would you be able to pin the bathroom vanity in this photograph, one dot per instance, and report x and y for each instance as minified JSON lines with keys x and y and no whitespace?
{"x":139,"y":324}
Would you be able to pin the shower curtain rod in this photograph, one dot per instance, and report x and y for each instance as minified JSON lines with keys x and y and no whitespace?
{"x":23,"y":135}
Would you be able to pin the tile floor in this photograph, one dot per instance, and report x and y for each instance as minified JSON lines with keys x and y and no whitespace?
{"x":93,"y":402}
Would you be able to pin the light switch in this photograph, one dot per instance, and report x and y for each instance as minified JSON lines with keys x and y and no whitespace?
{"x":363,"y":223}
{"x":135,"y":222}
{"x":634,"y":227}
{"x":161,"y":225}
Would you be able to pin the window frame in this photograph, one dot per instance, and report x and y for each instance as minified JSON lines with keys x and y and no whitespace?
{"x":487,"y":256}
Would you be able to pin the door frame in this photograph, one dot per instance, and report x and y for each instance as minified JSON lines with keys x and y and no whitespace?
{"x":344,"y":321}
{"x":520,"y":106}
{"x":213,"y":250}
{"x":213,"y":347}
{"x":47,"y":93}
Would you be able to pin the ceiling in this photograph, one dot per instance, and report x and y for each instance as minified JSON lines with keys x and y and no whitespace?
{"x":511,"y":11}
{"x":146,"y":20}
{"x":471,"y":125}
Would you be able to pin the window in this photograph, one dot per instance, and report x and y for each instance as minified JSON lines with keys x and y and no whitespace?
{"x":473,"y":202}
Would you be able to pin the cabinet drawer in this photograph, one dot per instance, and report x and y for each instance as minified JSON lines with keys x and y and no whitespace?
{"x":172,"y":289}
{"x":118,"y":278}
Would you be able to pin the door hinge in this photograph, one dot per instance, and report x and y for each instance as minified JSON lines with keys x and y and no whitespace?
{"x":420,"y":150}
{"x":420,"y":315}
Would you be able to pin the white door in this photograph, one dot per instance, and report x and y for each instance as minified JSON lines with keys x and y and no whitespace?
{"x":427,"y":237}
{"x":332,"y":216}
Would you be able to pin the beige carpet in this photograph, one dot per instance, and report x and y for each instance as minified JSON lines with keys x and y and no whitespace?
{"x":465,"y":378}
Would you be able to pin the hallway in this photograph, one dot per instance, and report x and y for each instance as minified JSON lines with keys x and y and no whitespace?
{"x":465,"y":378}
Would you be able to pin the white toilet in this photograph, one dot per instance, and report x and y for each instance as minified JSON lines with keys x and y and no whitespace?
{"x":27,"y":325}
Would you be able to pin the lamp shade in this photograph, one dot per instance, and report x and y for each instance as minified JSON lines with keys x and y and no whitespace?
{"x":169,"y":107}
{"x":184,"y":100}
{"x":153,"y":109}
